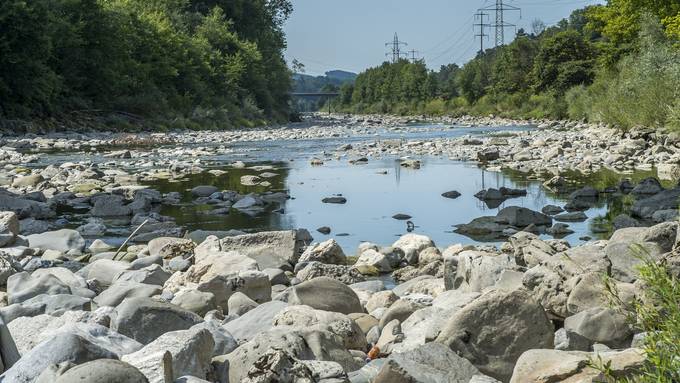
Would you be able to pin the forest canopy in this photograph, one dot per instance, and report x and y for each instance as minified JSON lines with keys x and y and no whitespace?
{"x":617,"y":63}
{"x":204,"y":60}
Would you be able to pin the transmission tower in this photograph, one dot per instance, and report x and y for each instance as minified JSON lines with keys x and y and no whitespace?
{"x":500,"y":23}
{"x":480,"y":16}
{"x":414,"y":55}
{"x":396,"y":48}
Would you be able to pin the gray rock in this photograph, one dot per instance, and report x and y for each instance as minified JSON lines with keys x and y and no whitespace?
{"x":251,"y":202}
{"x":276,"y":365}
{"x":144,"y":319}
{"x":381,"y":299}
{"x":224,"y":341}
{"x":325,"y":294}
{"x":30,"y":332}
{"x":65,"y":347}
{"x":30,"y":226}
{"x":307,"y":318}
{"x":663,"y":234}
{"x":551,"y":210}
{"x":301,"y":344}
{"x":566,"y":341}
{"x":9,"y":228}
{"x":60,"y":240}
{"x":151,"y":275}
{"x":665,"y":215}
{"x":191,"y":352}
{"x":577,"y":216}
{"x":269,"y":249}
{"x":559,"y":230}
{"x":31,"y":180}
{"x":110,"y":206}
{"x":104,"y":271}
{"x":22,"y":286}
{"x":487,"y":155}
{"x":625,"y":249}
{"x":667,"y":199}
{"x":424,"y":325}
{"x":168,"y":247}
{"x":495,"y":329}
{"x":345,"y":274}
{"x":255,"y":321}
{"x":25,"y":208}
{"x":100,"y":371}
{"x":203,"y":191}
{"x":9,"y":353}
{"x":490,"y":195}
{"x":572,"y":366}
{"x":58,"y":304}
{"x":199,"y":302}
{"x":371,"y":257}
{"x":335,"y":200}
{"x":146,"y":261}
{"x":179,"y":264}
{"x":432,"y":363}
{"x":7,"y":268}
{"x":451,"y":194}
{"x":412,"y":245}
{"x":623,"y":221}
{"x":477,"y":270}
{"x":222,"y":274}
{"x":116,"y":293}
{"x":328,"y":252}
{"x":400,"y":310}
{"x":522,"y":217}
{"x":586,"y":193}
{"x":648,"y":186}
{"x":276,"y":276}
{"x":240,"y":304}
{"x":601,"y":325}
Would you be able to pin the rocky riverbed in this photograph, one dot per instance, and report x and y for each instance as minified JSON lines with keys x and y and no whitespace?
{"x":171,"y":305}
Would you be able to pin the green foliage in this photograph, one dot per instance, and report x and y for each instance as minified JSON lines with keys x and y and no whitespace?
{"x":563,"y":61}
{"x":656,"y":313}
{"x":211,"y":61}
{"x":642,"y":90}
{"x":390,"y":88}
{"x":512,"y":69}
{"x":618,"y":64}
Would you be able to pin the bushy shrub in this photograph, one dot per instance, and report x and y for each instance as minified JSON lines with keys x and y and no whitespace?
{"x":643,"y":91}
{"x":656,"y":313}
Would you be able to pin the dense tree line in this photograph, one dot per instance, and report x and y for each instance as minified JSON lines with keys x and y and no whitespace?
{"x":216,"y":61}
{"x":618,"y":63}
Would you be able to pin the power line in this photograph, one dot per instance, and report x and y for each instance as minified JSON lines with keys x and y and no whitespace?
{"x":452,"y":46}
{"x":480,"y":15}
{"x":454,"y":34}
{"x":500,"y":7}
{"x":396,"y":48}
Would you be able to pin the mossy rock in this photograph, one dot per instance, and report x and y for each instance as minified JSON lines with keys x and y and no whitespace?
{"x":367,"y":270}
{"x":84,"y":188}
{"x":22,"y":170}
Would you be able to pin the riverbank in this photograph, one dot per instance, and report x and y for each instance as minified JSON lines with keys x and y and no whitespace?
{"x":235,"y":306}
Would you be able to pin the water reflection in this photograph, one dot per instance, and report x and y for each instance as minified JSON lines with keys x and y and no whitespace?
{"x":374,"y":196}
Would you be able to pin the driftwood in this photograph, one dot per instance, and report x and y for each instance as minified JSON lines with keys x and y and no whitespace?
{"x":128,"y":239}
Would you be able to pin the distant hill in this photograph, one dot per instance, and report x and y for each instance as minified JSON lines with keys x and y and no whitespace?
{"x":341,"y":75}
{"x":335,"y":78}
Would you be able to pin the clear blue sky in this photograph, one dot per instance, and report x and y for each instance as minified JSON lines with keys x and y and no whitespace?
{"x":351,"y":34}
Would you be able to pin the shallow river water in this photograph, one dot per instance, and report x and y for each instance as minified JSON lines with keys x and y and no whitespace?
{"x":375,"y":191}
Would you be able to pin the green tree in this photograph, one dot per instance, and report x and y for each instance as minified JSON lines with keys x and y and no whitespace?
{"x":28,"y":85}
{"x":512,"y":69}
{"x":563,"y":61}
